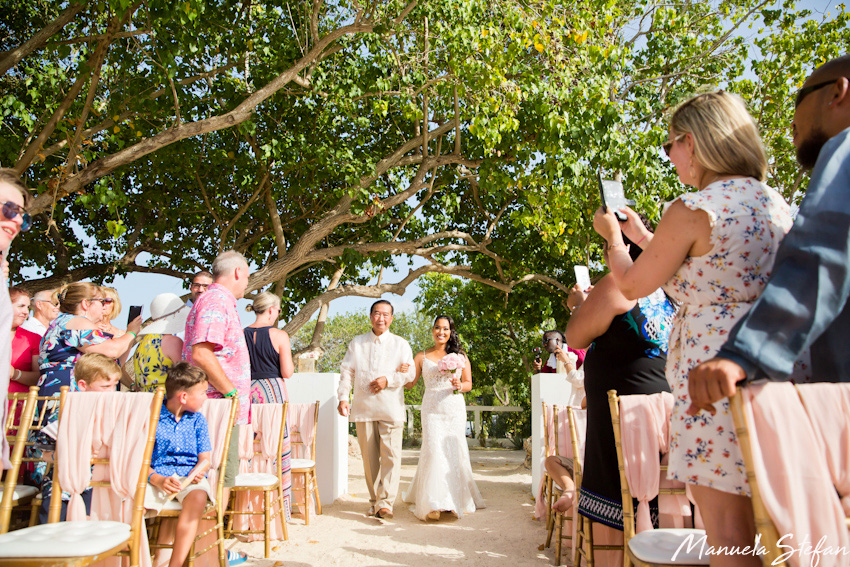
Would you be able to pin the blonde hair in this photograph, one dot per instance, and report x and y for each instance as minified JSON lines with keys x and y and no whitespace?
{"x":726,"y":138}
{"x":72,"y":294}
{"x":112,"y":294}
{"x":262,"y":302}
{"x":93,"y":367}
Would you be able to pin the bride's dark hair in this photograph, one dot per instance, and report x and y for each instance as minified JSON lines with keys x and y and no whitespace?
{"x":453,"y":344}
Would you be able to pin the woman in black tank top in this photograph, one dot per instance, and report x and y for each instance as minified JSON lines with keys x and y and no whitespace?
{"x":271,"y":363}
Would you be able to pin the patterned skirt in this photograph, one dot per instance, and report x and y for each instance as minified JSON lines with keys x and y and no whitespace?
{"x":273,"y":391}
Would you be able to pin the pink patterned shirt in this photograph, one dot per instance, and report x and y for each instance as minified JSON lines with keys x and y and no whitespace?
{"x":213,"y":319}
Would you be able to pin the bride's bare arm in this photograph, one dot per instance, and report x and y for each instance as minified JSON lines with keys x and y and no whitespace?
{"x":417,"y":360}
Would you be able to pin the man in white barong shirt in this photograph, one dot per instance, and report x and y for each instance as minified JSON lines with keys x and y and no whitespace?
{"x":376,"y":367}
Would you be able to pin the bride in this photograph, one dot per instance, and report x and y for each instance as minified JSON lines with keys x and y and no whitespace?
{"x":443,"y":481}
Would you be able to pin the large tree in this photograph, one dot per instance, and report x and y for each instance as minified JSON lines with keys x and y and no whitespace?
{"x":330,"y":140}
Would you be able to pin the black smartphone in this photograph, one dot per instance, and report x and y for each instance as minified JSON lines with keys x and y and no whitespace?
{"x":135,"y":311}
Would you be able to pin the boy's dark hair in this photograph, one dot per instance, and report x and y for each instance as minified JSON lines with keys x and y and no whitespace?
{"x":182,"y":376}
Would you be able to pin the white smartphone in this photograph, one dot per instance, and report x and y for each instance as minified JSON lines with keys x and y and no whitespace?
{"x":582,"y":277}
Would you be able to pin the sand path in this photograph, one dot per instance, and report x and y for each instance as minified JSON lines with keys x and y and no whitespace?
{"x":503,"y":534}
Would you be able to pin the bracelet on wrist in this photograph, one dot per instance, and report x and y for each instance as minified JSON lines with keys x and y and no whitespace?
{"x":151,"y":476}
{"x":132,"y":333}
{"x":616,"y":245}
{"x":642,"y":239}
{"x":231,"y":393}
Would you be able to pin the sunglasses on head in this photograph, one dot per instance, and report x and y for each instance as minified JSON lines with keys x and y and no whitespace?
{"x":11,"y":210}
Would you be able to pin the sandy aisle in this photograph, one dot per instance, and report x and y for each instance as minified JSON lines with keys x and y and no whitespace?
{"x":503,"y":534}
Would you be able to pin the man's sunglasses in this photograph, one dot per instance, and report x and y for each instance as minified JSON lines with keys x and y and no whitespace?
{"x":806,"y":91}
{"x":11,"y":210}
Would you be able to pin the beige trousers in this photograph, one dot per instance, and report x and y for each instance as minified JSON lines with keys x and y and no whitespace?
{"x":380,"y":446}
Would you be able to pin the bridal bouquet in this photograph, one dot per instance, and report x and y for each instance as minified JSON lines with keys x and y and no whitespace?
{"x":450,"y":364}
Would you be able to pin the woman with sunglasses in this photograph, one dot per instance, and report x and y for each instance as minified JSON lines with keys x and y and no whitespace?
{"x":712,"y":252}
{"x":13,"y":220}
{"x":75,"y":332}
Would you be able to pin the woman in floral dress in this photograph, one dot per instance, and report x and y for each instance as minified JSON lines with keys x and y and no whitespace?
{"x":75,"y":332}
{"x":712,"y":252}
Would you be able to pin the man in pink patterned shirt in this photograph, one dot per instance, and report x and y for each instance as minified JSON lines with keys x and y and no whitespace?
{"x":215,"y":343}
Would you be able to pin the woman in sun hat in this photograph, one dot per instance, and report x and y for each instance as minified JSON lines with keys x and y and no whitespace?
{"x":159,"y":349}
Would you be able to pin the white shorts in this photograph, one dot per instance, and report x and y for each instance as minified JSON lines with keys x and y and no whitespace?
{"x":156,"y":499}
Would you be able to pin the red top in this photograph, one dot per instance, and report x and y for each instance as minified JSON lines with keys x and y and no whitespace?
{"x":24,"y":347}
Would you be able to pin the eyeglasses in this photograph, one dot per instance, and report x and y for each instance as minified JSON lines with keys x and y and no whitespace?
{"x":53,"y":303}
{"x":806,"y":91}
{"x":378,"y":315}
{"x":103,"y":300}
{"x":11,"y":210}
{"x":199,"y":286}
{"x":668,"y":145}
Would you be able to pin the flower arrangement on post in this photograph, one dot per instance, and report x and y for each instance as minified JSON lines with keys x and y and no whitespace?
{"x":452,"y":363}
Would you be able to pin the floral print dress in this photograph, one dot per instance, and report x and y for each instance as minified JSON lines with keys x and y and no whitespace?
{"x":59,"y":354}
{"x":748,"y":222}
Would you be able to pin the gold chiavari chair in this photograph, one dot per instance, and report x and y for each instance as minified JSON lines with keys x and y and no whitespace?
{"x":21,"y":409}
{"x":652,"y":548}
{"x":306,"y":467}
{"x":214,"y":513}
{"x":270,"y":484}
{"x":81,"y":543}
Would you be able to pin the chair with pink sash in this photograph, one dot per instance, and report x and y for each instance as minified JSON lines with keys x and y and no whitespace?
{"x":105,"y":440}
{"x":220,"y":415}
{"x":641,"y":433}
{"x":17,"y":429}
{"x":303,"y":420}
{"x":796,"y":447}
{"x":258,"y":509}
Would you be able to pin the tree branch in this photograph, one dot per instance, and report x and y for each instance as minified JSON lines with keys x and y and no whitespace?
{"x":13,"y":57}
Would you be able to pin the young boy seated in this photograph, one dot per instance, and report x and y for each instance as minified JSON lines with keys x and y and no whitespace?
{"x":93,"y":373}
{"x":181,"y":458}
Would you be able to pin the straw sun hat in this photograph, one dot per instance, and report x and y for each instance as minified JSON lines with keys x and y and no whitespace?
{"x":168,"y":315}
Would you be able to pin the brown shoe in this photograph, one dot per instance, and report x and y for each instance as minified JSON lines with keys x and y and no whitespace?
{"x":385,"y":513}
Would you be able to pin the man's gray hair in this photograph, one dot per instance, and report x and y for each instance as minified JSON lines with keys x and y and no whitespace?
{"x":227,"y":262}
{"x":43,"y":295}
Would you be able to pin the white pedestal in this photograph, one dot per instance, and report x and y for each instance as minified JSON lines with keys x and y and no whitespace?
{"x":332,"y":440}
{"x":552,"y":389}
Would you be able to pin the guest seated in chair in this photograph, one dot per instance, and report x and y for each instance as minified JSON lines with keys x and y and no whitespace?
{"x":94,"y":373}
{"x":181,"y":458}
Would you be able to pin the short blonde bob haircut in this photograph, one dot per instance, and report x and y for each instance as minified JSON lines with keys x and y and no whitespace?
{"x":112,"y":293}
{"x":262,"y":302}
{"x":726,"y":138}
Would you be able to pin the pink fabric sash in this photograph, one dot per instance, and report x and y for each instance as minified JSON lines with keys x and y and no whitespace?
{"x":107,"y":424}
{"x":266,"y":420}
{"x":299,"y":417}
{"x":645,"y":430}
{"x":828,"y":406}
{"x":217,"y":413}
{"x":792,"y":471}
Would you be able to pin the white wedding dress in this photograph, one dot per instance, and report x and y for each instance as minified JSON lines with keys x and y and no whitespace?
{"x":443,"y":479}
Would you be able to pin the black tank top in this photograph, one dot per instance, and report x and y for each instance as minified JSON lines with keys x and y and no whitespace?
{"x":265,"y":360}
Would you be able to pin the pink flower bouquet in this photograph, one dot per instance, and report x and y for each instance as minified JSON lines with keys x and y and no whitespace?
{"x":451,"y":363}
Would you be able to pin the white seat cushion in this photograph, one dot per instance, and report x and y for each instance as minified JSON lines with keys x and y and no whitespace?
{"x":64,"y":539}
{"x":670,"y":547}
{"x":301,"y":464}
{"x":256,"y":479}
{"x":22,"y":491}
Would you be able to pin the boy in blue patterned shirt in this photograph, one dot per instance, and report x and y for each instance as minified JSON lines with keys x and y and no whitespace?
{"x":181,"y":455}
